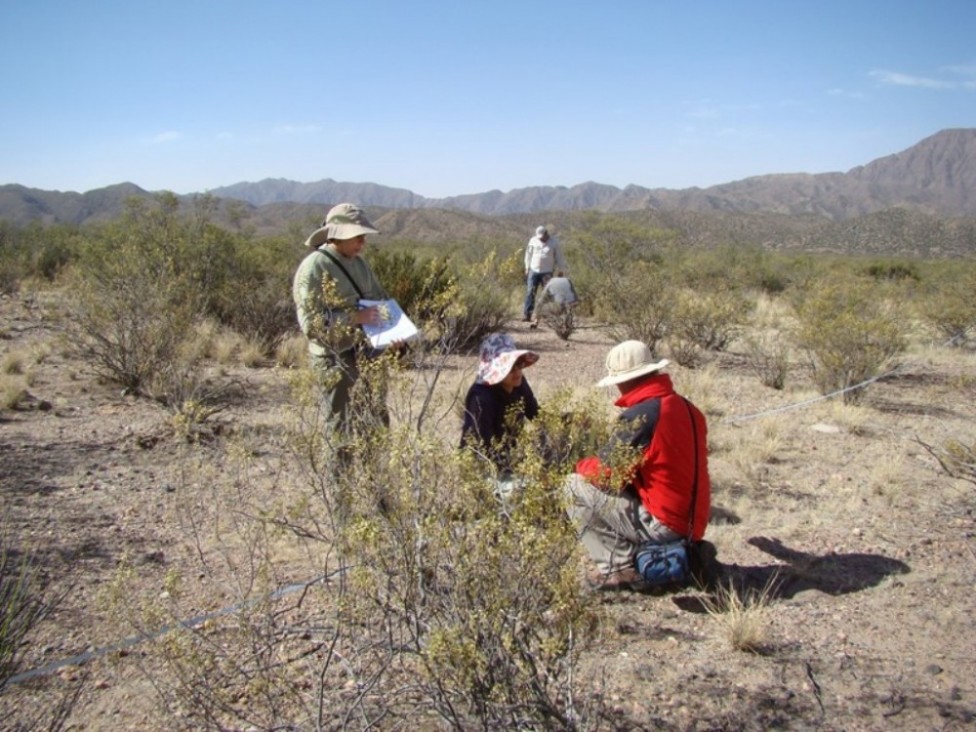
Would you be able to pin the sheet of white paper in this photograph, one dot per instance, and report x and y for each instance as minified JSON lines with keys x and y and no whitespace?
{"x":396,"y":326}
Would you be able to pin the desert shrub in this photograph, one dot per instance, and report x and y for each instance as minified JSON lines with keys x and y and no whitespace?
{"x":604,"y":249}
{"x":707,"y":321}
{"x":250,"y":286}
{"x":475,"y":306}
{"x":417,"y":284}
{"x":636,"y":301}
{"x":951,"y":308}
{"x":432,"y":607}
{"x":35,"y":252}
{"x":134,"y":298}
{"x":850,"y":334}
{"x":767,"y":355}
{"x":892,"y":271}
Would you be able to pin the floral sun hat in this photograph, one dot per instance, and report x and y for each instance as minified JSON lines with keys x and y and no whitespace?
{"x":498,"y":355}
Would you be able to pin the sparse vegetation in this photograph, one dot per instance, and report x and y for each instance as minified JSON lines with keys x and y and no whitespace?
{"x":398,"y":592}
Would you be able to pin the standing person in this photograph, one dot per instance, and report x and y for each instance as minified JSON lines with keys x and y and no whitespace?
{"x":543,"y":255}
{"x":665,"y":494}
{"x":332,"y":321}
{"x":499,"y":402}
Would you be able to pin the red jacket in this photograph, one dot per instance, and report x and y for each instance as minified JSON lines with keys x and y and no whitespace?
{"x":659,"y":422}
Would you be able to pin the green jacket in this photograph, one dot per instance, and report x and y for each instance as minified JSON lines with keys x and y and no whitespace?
{"x":327,"y":322}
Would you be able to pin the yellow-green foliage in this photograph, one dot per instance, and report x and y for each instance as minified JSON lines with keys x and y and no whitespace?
{"x":434,"y":585}
{"x":477,"y":304}
{"x":850,"y":332}
{"x":705,"y":321}
{"x":950,"y":306}
{"x":492,"y":596}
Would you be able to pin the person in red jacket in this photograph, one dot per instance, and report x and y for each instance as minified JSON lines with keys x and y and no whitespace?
{"x":663,"y":493}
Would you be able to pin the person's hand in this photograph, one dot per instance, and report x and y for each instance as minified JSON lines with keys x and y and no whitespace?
{"x":368,"y":316}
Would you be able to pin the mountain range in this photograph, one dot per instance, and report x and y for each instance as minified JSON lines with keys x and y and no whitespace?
{"x":935,"y":176}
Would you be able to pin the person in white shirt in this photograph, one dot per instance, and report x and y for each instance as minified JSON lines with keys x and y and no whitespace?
{"x":543,"y":256}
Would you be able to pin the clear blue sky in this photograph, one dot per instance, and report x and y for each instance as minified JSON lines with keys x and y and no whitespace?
{"x":454,"y":97}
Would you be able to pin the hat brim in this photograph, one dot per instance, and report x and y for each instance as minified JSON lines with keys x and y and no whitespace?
{"x":495,"y":371}
{"x":633,"y":373}
{"x":337,"y":231}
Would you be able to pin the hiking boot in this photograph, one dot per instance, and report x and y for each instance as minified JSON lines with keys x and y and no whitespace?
{"x":626,"y":579}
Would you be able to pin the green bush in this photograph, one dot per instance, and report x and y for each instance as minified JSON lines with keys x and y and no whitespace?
{"x":136,"y":296}
{"x":951,"y":307}
{"x":251,"y":290}
{"x":475,"y":306}
{"x":850,"y":334}
{"x":636,"y":302}
{"x":423,"y":287}
{"x":892,"y":271}
{"x":710,"y":320}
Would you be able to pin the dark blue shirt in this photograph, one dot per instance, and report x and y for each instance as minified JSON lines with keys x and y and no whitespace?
{"x":493,"y":419}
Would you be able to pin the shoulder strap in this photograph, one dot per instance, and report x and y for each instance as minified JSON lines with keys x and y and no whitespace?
{"x":694,"y":485}
{"x":338,"y":264}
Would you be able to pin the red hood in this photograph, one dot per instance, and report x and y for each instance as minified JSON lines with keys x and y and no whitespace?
{"x":650,"y":388}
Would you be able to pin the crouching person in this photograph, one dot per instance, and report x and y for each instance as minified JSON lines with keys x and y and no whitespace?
{"x":662,"y":498}
{"x":497,"y":406}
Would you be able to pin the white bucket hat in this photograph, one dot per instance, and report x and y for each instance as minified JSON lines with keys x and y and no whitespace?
{"x":627,"y":361}
{"x":345,"y":221}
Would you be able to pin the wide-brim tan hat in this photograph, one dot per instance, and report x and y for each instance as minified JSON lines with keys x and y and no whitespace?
{"x":628,"y":360}
{"x":345,"y":221}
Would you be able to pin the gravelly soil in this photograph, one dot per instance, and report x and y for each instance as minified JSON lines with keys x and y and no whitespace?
{"x":866,"y":544}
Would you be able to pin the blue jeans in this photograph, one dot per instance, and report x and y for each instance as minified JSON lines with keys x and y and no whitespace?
{"x":533,"y":282}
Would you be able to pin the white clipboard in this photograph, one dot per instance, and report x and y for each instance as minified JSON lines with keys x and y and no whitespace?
{"x":394,"y":325}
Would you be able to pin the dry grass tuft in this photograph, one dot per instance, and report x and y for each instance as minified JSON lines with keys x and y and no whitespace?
{"x":292,"y":352}
{"x":744,"y":614}
{"x":13,"y":388}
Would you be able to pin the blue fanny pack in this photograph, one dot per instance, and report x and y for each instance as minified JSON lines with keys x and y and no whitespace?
{"x":663,"y":564}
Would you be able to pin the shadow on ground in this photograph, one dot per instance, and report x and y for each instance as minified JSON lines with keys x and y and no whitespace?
{"x":799,"y":571}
